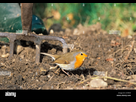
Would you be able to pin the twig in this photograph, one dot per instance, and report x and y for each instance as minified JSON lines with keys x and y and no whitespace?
{"x":129,"y":50}
{"x":51,"y":77}
{"x":120,"y":80}
{"x":119,"y":50}
{"x":107,"y":78}
{"x":87,"y":80}
{"x":54,"y":74}
{"x":58,"y":85}
{"x":129,"y":68}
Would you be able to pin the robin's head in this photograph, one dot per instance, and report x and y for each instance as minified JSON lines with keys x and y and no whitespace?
{"x":80,"y":57}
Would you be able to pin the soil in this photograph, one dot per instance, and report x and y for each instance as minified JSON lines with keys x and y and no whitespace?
{"x":107,"y":53}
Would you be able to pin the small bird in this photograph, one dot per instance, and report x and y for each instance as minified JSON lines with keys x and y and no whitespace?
{"x":69,"y":61}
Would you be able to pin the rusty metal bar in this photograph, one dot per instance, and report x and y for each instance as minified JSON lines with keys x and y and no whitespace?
{"x":37,"y":39}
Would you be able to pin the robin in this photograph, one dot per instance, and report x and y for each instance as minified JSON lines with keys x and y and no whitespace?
{"x":69,"y":61}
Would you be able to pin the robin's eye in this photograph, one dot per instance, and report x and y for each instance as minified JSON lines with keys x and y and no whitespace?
{"x":81,"y":53}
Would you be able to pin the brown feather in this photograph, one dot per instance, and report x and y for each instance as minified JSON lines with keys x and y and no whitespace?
{"x":65,"y":58}
{"x":54,"y":56}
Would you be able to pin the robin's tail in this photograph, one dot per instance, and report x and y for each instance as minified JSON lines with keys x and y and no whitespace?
{"x":52,"y":56}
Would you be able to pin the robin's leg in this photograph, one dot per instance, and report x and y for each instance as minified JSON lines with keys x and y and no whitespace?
{"x":54,"y":74}
{"x":57,"y":70}
{"x":65,"y":72}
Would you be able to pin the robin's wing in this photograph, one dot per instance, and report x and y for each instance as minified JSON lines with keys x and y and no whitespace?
{"x":53,"y":56}
{"x":61,"y":61}
{"x":65,"y":59}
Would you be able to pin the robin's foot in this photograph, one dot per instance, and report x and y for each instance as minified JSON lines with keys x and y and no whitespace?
{"x":57,"y":71}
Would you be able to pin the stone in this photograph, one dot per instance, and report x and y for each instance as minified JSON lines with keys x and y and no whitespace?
{"x":98,"y":83}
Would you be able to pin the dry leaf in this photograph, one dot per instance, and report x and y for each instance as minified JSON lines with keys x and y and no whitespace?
{"x":109,"y":59}
{"x":125,"y":33}
{"x":70,"y":16}
{"x":98,"y":58}
{"x":56,"y":14}
{"x":114,"y":43}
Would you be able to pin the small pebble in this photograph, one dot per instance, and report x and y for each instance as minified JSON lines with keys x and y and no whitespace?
{"x":98,"y":83}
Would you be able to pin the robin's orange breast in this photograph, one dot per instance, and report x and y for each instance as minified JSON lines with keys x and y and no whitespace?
{"x":78,"y":64}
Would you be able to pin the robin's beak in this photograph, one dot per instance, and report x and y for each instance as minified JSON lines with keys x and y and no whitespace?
{"x":86,"y":57}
